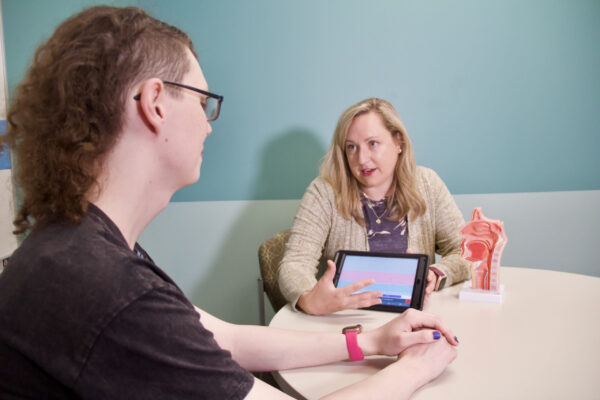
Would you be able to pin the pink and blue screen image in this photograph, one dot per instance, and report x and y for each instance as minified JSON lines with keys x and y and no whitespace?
{"x":394,"y":277}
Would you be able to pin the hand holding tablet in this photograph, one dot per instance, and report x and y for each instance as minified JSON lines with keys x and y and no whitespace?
{"x":324,"y":298}
{"x":401,"y":278}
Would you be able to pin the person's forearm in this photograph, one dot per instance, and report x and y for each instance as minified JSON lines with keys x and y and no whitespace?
{"x":259,"y":348}
{"x":396,"y":381}
{"x":308,"y":235}
{"x":295,"y":279}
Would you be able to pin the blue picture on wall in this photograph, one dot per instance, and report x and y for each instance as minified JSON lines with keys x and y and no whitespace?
{"x":4,"y":152}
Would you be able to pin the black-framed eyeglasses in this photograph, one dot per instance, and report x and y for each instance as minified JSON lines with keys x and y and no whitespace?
{"x":211,"y":103}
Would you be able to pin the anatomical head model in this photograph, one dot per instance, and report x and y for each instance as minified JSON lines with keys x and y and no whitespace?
{"x":482,"y":245}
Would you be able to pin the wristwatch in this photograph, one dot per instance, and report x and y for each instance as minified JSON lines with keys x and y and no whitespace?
{"x":440,"y":278}
{"x":351,"y":333}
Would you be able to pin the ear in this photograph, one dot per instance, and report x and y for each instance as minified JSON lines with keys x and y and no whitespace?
{"x":398,"y":140}
{"x":151,"y":104}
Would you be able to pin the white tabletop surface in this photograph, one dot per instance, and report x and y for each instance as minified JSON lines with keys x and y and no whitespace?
{"x":542,"y":342}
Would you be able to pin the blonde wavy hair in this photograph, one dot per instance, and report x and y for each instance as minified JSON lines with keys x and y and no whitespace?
{"x":405,"y":196}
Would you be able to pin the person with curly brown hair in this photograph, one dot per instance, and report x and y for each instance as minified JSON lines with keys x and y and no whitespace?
{"x":110,"y":121}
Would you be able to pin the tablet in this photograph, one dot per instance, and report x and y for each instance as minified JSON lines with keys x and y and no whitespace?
{"x":401,"y":278}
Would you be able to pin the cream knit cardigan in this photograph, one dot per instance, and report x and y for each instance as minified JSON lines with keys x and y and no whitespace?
{"x":319,"y":230}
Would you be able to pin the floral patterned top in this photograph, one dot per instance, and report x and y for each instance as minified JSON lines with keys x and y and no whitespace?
{"x":384,"y":236}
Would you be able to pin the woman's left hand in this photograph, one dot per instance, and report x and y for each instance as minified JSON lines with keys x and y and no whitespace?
{"x":431,"y":278}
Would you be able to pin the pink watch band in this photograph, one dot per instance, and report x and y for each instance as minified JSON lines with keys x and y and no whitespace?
{"x":354,"y":350}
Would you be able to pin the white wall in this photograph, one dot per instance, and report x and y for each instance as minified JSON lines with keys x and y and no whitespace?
{"x":550,"y":230}
{"x":8,"y":241}
{"x":210,"y":248}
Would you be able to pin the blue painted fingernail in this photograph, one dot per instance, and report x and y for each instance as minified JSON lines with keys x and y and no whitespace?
{"x":456,"y":339}
{"x":436,"y":335}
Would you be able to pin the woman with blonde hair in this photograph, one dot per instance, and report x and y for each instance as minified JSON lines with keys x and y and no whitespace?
{"x":370,"y":196}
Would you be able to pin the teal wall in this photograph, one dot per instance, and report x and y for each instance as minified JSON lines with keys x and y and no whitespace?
{"x":498,"y":96}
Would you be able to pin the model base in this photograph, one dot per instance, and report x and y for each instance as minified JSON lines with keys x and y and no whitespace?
{"x":485,"y":296}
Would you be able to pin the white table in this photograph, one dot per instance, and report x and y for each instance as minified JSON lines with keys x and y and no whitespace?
{"x":542,"y":342}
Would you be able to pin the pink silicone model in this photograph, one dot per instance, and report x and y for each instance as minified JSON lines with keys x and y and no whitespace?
{"x":483,"y":242}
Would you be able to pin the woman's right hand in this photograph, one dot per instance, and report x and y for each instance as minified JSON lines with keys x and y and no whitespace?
{"x":325,"y":298}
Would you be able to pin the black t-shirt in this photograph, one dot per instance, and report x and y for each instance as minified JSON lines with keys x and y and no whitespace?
{"x":82,"y":315}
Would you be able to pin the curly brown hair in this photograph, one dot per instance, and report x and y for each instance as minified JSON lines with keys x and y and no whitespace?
{"x":67,"y":112}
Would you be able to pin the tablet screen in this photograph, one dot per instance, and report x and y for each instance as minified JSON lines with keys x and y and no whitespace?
{"x":394,"y":277}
